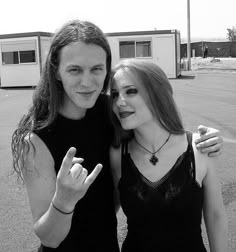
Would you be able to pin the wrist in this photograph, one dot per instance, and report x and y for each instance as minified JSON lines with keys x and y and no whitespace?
{"x":62,"y":206}
{"x":60,"y":210}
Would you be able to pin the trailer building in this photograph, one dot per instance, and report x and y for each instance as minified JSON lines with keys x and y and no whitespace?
{"x":22,"y":55}
{"x":161,"y":47}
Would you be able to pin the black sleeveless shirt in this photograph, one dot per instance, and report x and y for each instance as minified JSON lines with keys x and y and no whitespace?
{"x":164,"y":215}
{"x":94,"y":224}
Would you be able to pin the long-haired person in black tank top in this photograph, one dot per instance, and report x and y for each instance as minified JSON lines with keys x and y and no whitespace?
{"x":164,"y":182}
{"x":72,"y":201}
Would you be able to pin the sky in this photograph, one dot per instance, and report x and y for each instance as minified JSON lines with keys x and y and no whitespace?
{"x":209,"y":19}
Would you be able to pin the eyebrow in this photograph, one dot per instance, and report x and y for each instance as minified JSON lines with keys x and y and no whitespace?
{"x":79,"y":66}
{"x":125,"y":87}
{"x":101,"y":64}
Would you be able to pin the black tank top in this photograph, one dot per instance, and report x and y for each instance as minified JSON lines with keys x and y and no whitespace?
{"x":166,"y":215}
{"x":94,"y":224}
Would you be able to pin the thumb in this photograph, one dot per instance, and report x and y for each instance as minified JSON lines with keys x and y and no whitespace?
{"x":202,"y":129}
{"x":67,"y":160}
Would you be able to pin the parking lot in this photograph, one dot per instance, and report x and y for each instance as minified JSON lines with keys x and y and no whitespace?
{"x":203,"y":97}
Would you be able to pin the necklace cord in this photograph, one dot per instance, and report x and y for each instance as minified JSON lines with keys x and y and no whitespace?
{"x":153,"y":153}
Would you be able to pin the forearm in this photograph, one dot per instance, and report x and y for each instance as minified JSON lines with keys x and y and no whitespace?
{"x":217,"y":230}
{"x":53,"y":227}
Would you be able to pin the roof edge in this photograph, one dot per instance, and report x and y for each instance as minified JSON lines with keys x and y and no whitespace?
{"x":113,"y":34}
{"x":26,"y":34}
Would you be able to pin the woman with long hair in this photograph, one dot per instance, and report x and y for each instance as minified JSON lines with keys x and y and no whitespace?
{"x":164,"y":183}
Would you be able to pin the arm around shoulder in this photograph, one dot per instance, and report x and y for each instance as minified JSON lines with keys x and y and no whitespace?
{"x":209,"y":141}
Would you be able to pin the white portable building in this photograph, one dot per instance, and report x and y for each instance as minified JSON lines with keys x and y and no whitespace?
{"x":22,"y":56}
{"x":159,"y":46}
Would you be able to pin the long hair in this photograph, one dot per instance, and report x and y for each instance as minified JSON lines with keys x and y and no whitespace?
{"x":157,"y":93}
{"x":49,"y":92}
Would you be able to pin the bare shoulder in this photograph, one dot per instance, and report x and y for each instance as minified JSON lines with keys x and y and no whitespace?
{"x":39,"y":159}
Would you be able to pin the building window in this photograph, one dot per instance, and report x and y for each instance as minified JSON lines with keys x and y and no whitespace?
{"x":10,"y":58}
{"x":127,"y":49}
{"x":18,"y":57}
{"x":27,"y":56}
{"x":19,"y":52}
{"x":143,"y":49}
{"x":135,"y":49}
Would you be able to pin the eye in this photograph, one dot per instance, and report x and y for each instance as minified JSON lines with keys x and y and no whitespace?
{"x":74,"y":70}
{"x":114,"y":95}
{"x":97,"y":69}
{"x":131,"y":91}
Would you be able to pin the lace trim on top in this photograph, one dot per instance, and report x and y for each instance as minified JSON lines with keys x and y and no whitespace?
{"x":163,"y":179}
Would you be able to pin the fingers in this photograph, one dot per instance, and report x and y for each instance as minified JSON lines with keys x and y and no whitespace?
{"x":76,"y":170}
{"x":208,"y":142}
{"x":93,"y":175}
{"x":67,"y":160}
{"x":207,"y":132}
{"x":210,"y":135}
{"x":202,"y":129}
{"x":83,"y":175}
{"x":215,"y":154}
{"x":77,"y":160}
{"x":213,"y":150}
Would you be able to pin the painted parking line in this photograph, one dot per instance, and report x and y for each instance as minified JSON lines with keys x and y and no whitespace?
{"x":228,"y":140}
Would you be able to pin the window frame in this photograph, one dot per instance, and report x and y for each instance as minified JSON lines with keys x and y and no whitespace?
{"x":19,"y":57}
{"x":136,"y":40}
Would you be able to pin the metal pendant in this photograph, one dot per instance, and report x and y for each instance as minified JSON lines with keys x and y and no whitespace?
{"x":153,"y":160}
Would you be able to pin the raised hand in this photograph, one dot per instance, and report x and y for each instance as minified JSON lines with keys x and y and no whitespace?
{"x":72,"y":181}
{"x":209,"y":141}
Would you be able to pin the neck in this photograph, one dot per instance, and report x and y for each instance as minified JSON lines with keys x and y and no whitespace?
{"x":72,"y":112}
{"x":151,"y":136}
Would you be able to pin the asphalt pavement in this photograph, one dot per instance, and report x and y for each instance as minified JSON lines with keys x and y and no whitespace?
{"x":203,"y":97}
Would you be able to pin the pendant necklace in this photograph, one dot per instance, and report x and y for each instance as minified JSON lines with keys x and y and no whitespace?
{"x":154,"y":159}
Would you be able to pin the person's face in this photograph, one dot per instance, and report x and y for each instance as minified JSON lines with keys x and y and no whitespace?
{"x":128,"y":103}
{"x":82,"y":71}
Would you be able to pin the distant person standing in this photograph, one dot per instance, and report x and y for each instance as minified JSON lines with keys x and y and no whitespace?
{"x":205,"y":54}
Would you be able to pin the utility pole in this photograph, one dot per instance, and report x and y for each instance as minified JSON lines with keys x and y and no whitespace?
{"x":189,"y":38}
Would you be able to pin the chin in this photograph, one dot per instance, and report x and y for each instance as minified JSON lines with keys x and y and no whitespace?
{"x":88,"y":105}
{"x":127,"y":126}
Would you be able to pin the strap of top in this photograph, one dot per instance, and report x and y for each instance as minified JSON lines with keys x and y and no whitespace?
{"x":191,"y":152}
{"x":124,"y":151}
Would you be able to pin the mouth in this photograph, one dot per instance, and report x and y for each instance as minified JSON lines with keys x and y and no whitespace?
{"x":86,"y":94}
{"x":125,"y":114}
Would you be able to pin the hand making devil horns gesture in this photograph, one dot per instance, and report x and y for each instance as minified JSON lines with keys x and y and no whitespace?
{"x":73,"y":181}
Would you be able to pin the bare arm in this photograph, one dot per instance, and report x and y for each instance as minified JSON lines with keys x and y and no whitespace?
{"x":214,"y":210}
{"x":65,"y":189}
{"x":209,"y":141}
{"x":115,"y":159}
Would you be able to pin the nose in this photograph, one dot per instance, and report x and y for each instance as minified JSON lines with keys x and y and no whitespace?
{"x":86,"y":80}
{"x":120,"y":102}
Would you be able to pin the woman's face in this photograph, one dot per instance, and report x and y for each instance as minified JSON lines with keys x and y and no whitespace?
{"x":82,"y":71}
{"x":128,"y":103}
